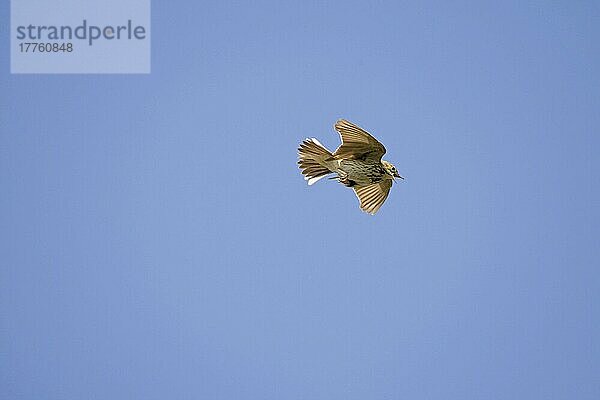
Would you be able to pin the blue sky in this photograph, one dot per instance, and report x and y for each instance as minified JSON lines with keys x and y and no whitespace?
{"x":158,"y":240}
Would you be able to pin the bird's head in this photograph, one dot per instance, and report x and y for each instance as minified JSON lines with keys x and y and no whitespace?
{"x":390,"y":169}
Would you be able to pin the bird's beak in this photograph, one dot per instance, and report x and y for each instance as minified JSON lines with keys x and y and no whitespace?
{"x":397,"y":175}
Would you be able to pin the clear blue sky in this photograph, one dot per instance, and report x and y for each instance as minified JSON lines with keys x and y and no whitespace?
{"x":159,"y":242}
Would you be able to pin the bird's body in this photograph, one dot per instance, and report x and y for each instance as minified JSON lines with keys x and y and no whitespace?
{"x":357,"y":164}
{"x":360,"y":172}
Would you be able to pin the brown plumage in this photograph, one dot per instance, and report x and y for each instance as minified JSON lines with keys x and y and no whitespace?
{"x":357,"y":163}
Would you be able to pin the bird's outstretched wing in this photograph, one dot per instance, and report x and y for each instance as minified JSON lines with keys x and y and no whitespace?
{"x":357,"y":144}
{"x":372,"y":196}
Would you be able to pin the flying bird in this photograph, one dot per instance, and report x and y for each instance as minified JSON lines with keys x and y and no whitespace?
{"x":357,"y":164}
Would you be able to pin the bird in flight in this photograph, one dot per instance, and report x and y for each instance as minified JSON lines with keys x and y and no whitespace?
{"x":357,"y":164}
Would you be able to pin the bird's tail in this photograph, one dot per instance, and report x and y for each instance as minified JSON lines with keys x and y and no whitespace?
{"x":312,"y":160}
